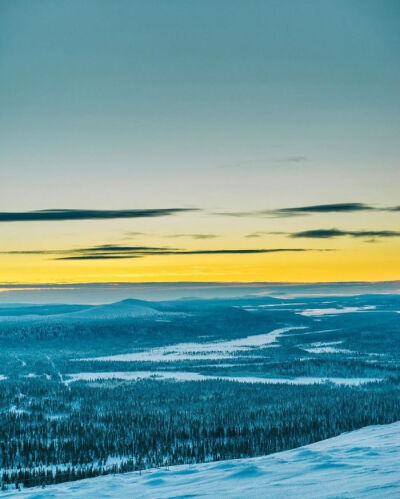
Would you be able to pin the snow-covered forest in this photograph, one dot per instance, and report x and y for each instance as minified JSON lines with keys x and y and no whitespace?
{"x":97,"y":390}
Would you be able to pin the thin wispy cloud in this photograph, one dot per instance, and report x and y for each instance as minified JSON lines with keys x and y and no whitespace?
{"x":192,"y":236}
{"x":294,"y":159}
{"x":255,"y":235}
{"x":118,"y":247}
{"x":75,"y":214}
{"x":262,"y":161}
{"x":98,"y":257}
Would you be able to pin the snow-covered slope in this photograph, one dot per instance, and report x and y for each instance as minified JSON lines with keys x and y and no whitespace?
{"x":362,"y":463}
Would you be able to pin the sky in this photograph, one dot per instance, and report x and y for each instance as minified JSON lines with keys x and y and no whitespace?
{"x":221,"y":140}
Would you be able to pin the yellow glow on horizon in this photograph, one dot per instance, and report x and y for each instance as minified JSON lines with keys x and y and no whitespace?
{"x":374,"y":262}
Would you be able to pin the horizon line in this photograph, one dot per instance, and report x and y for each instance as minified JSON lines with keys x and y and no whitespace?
{"x":223,"y":283}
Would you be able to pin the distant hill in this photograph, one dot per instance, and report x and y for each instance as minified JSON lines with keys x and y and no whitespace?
{"x":120,"y":310}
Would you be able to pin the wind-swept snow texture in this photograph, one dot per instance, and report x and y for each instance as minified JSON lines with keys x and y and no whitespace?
{"x":362,"y":463}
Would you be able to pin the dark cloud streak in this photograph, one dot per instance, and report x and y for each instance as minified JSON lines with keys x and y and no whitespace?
{"x":115,"y":251}
{"x":62,"y":215}
{"x":331,"y":233}
{"x":119,"y":252}
{"x":307,"y":210}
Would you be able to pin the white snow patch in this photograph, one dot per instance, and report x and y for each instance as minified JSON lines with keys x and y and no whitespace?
{"x":313,"y":312}
{"x":326,"y":347}
{"x":14,"y":410}
{"x":328,"y":350}
{"x":291,"y":304}
{"x":363,"y":463}
{"x":189,"y":351}
{"x":190,"y":376}
{"x":326,"y":343}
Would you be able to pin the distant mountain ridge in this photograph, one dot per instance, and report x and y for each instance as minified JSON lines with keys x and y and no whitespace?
{"x":135,"y":308}
{"x":129,"y":308}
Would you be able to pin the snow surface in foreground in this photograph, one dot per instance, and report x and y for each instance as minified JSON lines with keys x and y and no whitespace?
{"x":362,"y":463}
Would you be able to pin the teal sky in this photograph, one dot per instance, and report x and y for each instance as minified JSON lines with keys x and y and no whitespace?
{"x":98,"y":93}
{"x":219,"y":105}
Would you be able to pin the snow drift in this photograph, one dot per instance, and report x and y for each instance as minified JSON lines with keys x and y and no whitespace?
{"x":362,"y":463}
